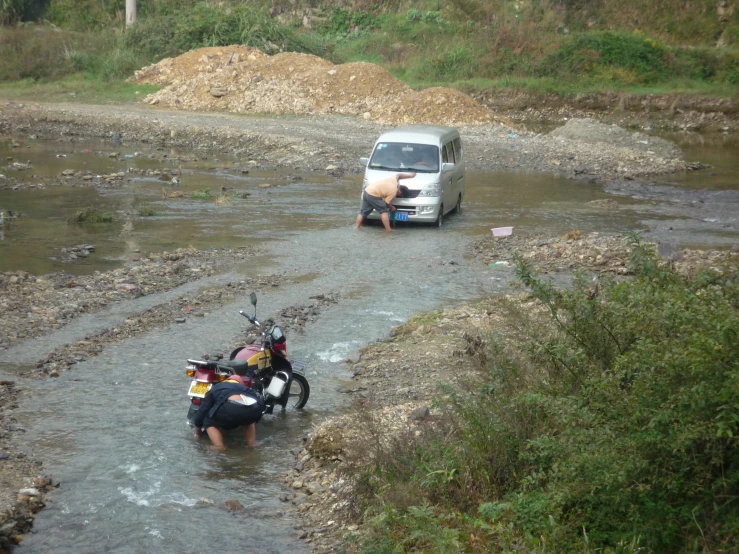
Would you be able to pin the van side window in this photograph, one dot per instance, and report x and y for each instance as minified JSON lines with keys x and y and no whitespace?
{"x":444,"y":154}
{"x":450,"y":152}
{"x":458,"y":150}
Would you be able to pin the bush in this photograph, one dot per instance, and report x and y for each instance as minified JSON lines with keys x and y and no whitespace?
{"x":615,"y":428}
{"x":202,"y":194}
{"x":90,"y":215}
{"x":585,"y":52}
{"x":208,"y":25}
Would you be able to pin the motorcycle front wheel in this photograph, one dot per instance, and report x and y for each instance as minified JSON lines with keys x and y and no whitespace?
{"x":297,"y":395}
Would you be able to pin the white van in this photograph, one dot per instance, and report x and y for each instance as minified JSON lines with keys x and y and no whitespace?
{"x":435,"y":154}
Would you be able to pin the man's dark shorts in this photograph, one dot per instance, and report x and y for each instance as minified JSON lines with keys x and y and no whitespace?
{"x":370,"y":203}
{"x":232,"y":415}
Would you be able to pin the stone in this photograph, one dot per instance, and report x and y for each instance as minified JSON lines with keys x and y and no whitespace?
{"x":420,"y":413}
{"x":218,"y":92}
{"x":7,"y":528}
{"x":234,"y":505}
{"x":315,"y":488}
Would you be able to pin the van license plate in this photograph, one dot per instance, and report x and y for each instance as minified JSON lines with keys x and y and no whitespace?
{"x":401,"y":216}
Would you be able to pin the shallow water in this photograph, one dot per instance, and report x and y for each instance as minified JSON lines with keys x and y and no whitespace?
{"x":112,"y":429}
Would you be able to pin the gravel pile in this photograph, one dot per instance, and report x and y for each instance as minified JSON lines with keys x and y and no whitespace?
{"x":245,"y":80}
{"x":394,"y":385}
{"x":31,"y":306}
{"x":176,"y":311}
{"x":594,"y":252}
{"x":593,"y":132}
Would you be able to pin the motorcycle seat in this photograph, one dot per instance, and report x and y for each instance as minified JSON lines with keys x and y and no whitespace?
{"x":234,"y":366}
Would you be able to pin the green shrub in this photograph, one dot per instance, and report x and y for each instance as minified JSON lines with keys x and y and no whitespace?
{"x":583,"y":53}
{"x":204,"y":24}
{"x":147,"y":211}
{"x":202,"y":194}
{"x":90,"y":215}
{"x":615,"y":428}
{"x":341,"y":23}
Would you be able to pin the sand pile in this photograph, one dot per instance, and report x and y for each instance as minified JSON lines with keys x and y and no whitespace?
{"x":245,"y":80}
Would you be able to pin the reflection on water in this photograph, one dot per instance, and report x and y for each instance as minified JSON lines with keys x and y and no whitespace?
{"x":720,"y":151}
{"x":256,"y":206}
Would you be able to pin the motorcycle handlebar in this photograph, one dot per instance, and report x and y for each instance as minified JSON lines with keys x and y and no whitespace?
{"x":250,"y":318}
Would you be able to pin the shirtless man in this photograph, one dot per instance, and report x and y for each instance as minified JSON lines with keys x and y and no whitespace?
{"x":378,"y":196}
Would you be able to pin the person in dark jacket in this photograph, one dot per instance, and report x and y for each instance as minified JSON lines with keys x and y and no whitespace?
{"x":228,"y":405}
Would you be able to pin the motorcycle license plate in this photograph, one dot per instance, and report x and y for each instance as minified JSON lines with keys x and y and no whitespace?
{"x":401,"y":216}
{"x":198,"y":389}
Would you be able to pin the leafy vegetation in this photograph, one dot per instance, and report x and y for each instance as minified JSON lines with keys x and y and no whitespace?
{"x":202,"y":194}
{"x":90,"y":215}
{"x":614,"y":428}
{"x":559,"y":46}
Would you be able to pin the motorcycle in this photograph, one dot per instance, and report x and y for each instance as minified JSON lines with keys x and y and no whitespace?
{"x":269,"y":373}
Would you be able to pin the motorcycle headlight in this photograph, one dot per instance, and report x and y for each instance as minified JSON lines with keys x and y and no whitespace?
{"x":432,"y":189}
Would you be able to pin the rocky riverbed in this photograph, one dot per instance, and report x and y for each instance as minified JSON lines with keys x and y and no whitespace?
{"x":420,"y":353}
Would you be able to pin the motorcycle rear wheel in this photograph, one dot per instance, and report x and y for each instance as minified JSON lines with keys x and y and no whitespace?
{"x":191,"y":413}
{"x":297,"y":396}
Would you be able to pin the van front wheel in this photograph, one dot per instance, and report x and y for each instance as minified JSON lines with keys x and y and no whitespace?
{"x":440,"y":220}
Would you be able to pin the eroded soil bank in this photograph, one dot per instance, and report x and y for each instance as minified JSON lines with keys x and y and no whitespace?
{"x":666,"y":112}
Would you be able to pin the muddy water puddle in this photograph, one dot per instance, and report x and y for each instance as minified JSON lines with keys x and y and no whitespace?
{"x":112,"y":429}
{"x":217,"y":202}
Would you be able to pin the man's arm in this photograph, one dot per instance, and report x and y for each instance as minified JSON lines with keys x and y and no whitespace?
{"x":205,"y":407}
{"x":398,"y":177}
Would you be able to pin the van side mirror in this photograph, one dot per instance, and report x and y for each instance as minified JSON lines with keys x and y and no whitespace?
{"x":447,"y":166}
{"x":364,"y":161}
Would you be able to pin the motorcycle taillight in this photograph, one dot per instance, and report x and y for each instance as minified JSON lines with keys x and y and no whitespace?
{"x":196,"y":401}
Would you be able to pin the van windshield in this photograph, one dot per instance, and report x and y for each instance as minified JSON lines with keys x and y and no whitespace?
{"x":401,"y":156}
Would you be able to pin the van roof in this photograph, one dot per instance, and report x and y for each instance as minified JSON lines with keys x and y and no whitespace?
{"x":420,"y":134}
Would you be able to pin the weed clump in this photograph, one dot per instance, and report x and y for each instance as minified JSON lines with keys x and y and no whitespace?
{"x":202,"y":194}
{"x":90,"y":215}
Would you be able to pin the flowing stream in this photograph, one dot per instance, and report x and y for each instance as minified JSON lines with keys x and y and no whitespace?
{"x":112,"y":429}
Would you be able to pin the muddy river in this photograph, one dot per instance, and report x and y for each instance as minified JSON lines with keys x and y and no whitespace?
{"x":112,"y":430}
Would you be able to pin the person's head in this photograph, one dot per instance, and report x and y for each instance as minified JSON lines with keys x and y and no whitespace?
{"x":236,"y":378}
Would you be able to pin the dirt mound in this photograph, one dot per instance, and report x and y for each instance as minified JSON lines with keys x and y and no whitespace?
{"x":189,"y":64}
{"x":245,"y":80}
{"x":591,"y":131}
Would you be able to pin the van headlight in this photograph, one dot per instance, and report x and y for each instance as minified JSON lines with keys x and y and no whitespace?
{"x":432,"y":189}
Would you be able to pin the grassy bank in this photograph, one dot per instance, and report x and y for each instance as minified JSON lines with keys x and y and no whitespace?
{"x":538,"y":46}
{"x":611,"y":426}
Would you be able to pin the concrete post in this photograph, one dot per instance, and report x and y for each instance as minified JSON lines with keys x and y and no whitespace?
{"x":130,"y":12}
